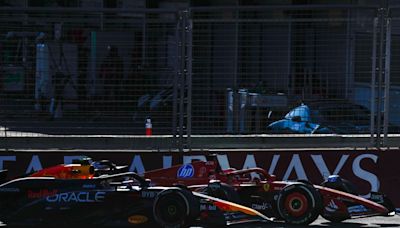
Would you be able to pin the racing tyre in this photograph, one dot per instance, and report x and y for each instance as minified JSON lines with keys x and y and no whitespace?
{"x":175,"y":207}
{"x":334,"y":218}
{"x":299,"y":204}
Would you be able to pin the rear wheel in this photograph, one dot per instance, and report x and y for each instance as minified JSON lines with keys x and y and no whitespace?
{"x":175,"y":207}
{"x":299,"y":204}
{"x":334,"y":218}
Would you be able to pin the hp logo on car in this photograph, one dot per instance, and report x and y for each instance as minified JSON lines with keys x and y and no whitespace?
{"x":185,"y":171}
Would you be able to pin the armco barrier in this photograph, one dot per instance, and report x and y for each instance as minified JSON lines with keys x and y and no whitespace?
{"x":370,"y":170}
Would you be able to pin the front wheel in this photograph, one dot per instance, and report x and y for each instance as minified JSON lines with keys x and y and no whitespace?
{"x":299,"y":204}
{"x":175,"y":207}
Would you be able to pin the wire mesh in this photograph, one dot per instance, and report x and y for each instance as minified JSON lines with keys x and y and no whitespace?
{"x":100,"y":72}
{"x":251,"y":67}
{"x":227,"y":70}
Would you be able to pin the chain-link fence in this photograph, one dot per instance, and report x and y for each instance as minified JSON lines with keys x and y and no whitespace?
{"x":305,"y":69}
{"x":69,"y":71}
{"x":251,"y":66}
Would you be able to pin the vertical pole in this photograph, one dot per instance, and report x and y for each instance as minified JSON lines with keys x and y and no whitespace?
{"x":175,"y":80}
{"x":189,"y":60}
{"x":182,"y":79}
{"x":380,"y":74}
{"x":348,"y":47}
{"x":387,"y":80}
{"x":373,"y":80}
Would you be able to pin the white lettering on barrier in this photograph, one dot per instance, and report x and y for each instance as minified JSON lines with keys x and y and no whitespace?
{"x":223,"y":161}
{"x":365,"y":175}
{"x":34,"y":165}
{"x":167,"y":161}
{"x":250,"y":162}
{"x":274,"y":162}
{"x":137,"y":165}
{"x":323,"y":169}
{"x":296,"y":164}
{"x":6,"y":158}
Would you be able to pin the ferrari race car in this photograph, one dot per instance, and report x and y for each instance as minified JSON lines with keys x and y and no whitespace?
{"x":294,"y":202}
{"x":118,"y":199}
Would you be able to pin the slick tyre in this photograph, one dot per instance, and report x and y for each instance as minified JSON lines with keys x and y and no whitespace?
{"x":175,"y":207}
{"x":334,"y":218}
{"x":299,"y":204}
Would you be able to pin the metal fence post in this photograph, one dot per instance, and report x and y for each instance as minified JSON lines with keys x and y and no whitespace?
{"x":175,"y":81}
{"x":373,"y":81}
{"x":189,"y":59}
{"x":387,"y":80}
{"x":182,"y":79}
{"x":380,"y":79}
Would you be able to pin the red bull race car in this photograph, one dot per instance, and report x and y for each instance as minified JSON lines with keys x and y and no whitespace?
{"x":122,"y":199}
{"x":84,"y":168}
{"x":294,"y":202}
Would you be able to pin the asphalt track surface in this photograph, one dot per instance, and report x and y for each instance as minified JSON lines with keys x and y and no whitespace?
{"x":377,"y":221}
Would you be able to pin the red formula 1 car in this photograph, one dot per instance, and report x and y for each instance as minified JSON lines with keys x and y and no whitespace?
{"x":295,"y":202}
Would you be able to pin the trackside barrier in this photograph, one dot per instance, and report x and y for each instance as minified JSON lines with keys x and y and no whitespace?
{"x":369,"y":170}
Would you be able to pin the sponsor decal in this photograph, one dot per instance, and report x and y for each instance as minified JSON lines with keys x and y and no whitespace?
{"x":208,"y":207}
{"x":148,"y":194}
{"x":263,"y":206}
{"x":137,"y":219}
{"x":89,"y":186}
{"x":376,"y":197}
{"x":9,"y":190}
{"x":185,"y":171}
{"x":331,"y":207}
{"x":41,"y":193}
{"x":76,"y":197}
{"x":266,"y":187}
{"x":357,"y":209}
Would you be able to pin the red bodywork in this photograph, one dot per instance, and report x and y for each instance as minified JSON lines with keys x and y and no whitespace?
{"x":335,"y":203}
{"x":66,"y":171}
